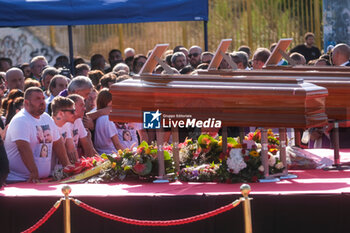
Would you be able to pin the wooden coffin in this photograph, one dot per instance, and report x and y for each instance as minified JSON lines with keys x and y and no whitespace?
{"x":309,"y":68}
{"x":289,"y":103}
{"x":337,"y":83}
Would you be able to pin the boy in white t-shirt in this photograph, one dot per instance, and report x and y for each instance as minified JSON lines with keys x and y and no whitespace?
{"x":31,"y":137}
{"x":63,"y":110}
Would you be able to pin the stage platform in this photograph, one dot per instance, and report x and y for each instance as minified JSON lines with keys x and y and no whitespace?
{"x":316,"y":201}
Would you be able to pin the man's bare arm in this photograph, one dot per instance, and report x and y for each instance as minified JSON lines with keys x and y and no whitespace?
{"x":88,"y":148}
{"x":60,"y":150}
{"x":71,"y":151}
{"x":28,"y":159}
{"x":116,"y":143}
{"x":98,"y":113}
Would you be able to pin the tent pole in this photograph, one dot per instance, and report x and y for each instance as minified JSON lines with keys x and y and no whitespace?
{"x":71,"y":55}
{"x":205,"y":35}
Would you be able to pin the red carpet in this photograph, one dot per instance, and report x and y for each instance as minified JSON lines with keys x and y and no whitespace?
{"x":308,"y":182}
{"x":316,"y":201}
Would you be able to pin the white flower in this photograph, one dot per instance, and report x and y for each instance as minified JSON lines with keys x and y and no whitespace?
{"x":272,"y":160}
{"x":235,"y":162}
{"x":261,"y":168}
{"x":183,"y":154}
{"x":279,"y":165}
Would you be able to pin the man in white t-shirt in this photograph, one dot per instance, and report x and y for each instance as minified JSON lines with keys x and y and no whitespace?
{"x":31,"y":137}
{"x":79,"y":133}
{"x":63,"y":110}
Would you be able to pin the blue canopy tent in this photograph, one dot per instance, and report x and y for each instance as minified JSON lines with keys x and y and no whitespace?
{"x":87,"y":12}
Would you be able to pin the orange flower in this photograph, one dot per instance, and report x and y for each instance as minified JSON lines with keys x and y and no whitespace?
{"x":254,"y":153}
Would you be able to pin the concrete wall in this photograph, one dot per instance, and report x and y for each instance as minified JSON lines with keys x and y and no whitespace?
{"x":21,"y":46}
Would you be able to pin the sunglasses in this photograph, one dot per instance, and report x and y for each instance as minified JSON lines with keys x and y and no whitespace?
{"x":69,"y":110}
{"x":193,"y":54}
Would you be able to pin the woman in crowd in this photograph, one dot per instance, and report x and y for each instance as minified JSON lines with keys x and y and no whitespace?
{"x":106,"y":135}
{"x":13,"y":107}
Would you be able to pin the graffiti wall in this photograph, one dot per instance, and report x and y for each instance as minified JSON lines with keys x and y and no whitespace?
{"x":336,"y":18}
{"x":21,"y":46}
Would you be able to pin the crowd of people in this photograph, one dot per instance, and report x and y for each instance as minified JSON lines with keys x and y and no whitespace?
{"x":50,"y":116}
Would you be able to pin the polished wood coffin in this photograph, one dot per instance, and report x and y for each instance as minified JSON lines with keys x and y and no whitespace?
{"x":337,"y":84}
{"x":288,"y":103}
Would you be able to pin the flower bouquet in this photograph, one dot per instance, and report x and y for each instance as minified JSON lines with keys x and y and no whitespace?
{"x":82,"y":169}
{"x":206,"y":161}
{"x":142,"y":163}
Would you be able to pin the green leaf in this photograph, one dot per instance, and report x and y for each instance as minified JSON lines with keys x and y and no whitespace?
{"x":154,"y":151}
{"x":143,"y":144}
{"x":167,"y":155}
{"x":232,"y":141}
{"x":104,"y":156}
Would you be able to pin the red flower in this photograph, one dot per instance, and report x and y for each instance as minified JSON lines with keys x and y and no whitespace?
{"x":243,"y":151}
{"x":244,"y":145}
{"x":139,"y":167}
{"x":140,"y":150}
{"x":196,"y":154}
{"x":206,"y":141}
{"x":250,"y":136}
{"x":246,"y":158}
{"x":168,"y":148}
{"x":254,"y":179}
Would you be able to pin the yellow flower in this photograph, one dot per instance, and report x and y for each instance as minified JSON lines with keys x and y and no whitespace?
{"x":114,"y":164}
{"x":148,"y":151}
{"x":220,"y":143}
{"x":120,"y":152}
{"x":254,"y":153}
{"x":237,"y":146}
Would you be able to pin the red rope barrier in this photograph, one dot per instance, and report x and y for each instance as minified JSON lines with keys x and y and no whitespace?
{"x":158,"y":223}
{"x":43,"y":219}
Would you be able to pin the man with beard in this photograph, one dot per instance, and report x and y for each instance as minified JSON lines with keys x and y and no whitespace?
{"x":24,"y":142}
{"x":194,"y":54}
{"x":308,"y":50}
{"x":178,"y":60}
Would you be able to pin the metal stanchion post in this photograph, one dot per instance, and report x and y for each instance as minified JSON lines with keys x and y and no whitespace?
{"x":245,"y":190}
{"x":66,"y":190}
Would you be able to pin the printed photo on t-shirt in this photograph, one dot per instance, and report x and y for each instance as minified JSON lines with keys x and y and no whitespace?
{"x":44,"y":151}
{"x":39,"y":134}
{"x":47,"y":133}
{"x":76,"y":136}
{"x":127,"y":135}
